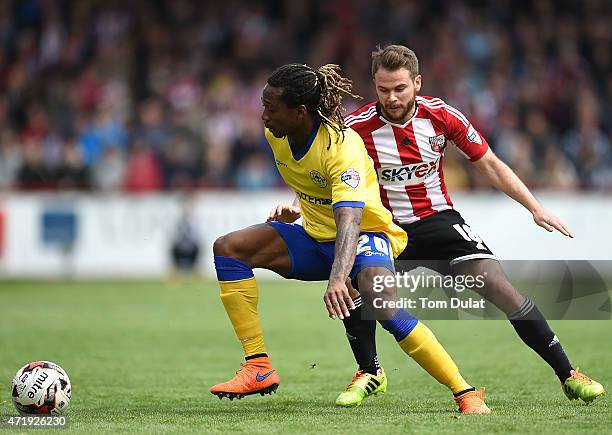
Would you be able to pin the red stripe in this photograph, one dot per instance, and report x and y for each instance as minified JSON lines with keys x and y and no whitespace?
{"x":441,"y":173}
{"x":443,"y":185}
{"x":369,"y":144}
{"x":1,"y":232}
{"x":409,"y":154}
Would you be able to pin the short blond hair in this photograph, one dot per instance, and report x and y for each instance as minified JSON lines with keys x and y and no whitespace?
{"x":394,"y":57}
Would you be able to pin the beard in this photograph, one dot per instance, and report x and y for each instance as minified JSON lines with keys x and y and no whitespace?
{"x":400,"y":114}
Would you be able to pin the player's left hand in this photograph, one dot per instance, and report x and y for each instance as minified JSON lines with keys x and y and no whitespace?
{"x":337,"y":299}
{"x":550,"y":222}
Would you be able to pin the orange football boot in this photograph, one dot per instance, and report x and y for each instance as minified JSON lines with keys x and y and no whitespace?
{"x":255,"y":376}
{"x":473,"y":402}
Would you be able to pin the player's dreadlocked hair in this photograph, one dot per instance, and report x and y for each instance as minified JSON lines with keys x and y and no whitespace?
{"x":319,"y":90}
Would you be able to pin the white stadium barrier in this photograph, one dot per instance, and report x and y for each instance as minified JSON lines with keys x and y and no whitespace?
{"x":122,"y":236}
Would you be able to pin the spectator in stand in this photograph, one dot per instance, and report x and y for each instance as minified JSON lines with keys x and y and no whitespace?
{"x":179,"y":160}
{"x":72,"y":174}
{"x":10,"y":159}
{"x":33,"y":173}
{"x":100,"y":132}
{"x":589,"y":147}
{"x":255,"y":173}
{"x":189,"y":74}
{"x":143,"y":170}
{"x":152,"y":128}
{"x":108,"y":172}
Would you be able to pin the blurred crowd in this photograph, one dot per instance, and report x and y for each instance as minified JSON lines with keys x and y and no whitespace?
{"x":142,"y":95}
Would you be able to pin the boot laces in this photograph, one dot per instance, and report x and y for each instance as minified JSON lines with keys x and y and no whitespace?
{"x":356,"y":377}
{"x":582,"y":378}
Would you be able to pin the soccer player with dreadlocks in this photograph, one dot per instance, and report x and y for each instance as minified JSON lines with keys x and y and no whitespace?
{"x":346,"y":234}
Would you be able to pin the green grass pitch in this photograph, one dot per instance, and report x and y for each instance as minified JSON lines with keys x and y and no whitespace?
{"x":142,"y":356}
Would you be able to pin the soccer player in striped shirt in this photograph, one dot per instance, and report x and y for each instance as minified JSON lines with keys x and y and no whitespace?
{"x":406,"y":135}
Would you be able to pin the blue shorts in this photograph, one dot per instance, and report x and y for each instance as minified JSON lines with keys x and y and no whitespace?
{"x":312,"y":260}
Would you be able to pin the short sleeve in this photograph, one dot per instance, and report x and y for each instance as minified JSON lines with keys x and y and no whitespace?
{"x":469,"y":140}
{"x":346,"y":168}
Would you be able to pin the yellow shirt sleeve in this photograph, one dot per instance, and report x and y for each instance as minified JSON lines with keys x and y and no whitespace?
{"x":346,"y":168}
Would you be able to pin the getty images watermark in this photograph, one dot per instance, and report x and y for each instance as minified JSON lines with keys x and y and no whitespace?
{"x":569,"y":290}
{"x":413,"y":282}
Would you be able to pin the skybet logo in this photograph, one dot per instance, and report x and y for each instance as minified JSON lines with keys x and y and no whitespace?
{"x":408,"y":174}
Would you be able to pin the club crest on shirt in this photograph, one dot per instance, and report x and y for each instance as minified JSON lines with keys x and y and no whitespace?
{"x":472,"y":135}
{"x":438,"y":143}
{"x":318,"y":179}
{"x":350,"y":177}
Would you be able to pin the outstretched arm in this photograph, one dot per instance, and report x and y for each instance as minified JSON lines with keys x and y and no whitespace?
{"x":348,"y":224}
{"x":503,"y":178}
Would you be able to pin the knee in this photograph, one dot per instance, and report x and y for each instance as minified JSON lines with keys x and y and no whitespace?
{"x":496,"y":286}
{"x":226,"y":246}
{"x":503,"y":295}
{"x":366,"y":282}
{"x":376,"y":283}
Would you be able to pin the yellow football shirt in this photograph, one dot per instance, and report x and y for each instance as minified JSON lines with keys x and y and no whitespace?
{"x":325,"y":176}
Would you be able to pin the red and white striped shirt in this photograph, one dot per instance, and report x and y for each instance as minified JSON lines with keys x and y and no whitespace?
{"x":408,"y":157}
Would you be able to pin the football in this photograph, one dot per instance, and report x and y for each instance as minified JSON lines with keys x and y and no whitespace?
{"x":41,"y":387}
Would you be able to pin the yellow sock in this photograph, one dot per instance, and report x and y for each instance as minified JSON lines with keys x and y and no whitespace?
{"x":240,"y":301}
{"x":421,"y":344}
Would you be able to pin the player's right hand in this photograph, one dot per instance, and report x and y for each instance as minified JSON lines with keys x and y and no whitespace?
{"x":337,"y":300}
{"x":550,"y":222}
{"x":285,"y":213}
